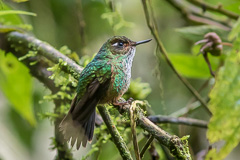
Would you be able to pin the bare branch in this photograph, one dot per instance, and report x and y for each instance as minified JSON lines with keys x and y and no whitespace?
{"x":180,"y":120}
{"x":145,"y":147}
{"x":190,"y":14}
{"x":218,"y":8}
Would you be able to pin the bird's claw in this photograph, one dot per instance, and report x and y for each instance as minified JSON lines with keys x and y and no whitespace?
{"x":121,"y":104}
{"x":130,"y":100}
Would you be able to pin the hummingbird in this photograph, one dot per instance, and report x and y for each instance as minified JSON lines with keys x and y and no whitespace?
{"x":103,"y":81}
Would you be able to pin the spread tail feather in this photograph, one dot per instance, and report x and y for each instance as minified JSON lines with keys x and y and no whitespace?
{"x":78,"y":125}
{"x":79,"y":133}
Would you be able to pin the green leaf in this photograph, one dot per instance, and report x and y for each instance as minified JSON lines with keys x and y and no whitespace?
{"x":235,"y":30}
{"x":6,"y":12}
{"x":138,"y":89}
{"x":16,"y":85}
{"x":232,"y":5}
{"x":193,"y":66}
{"x":196,"y":33}
{"x":225,"y":107}
{"x":11,"y":17}
{"x":19,"y":1}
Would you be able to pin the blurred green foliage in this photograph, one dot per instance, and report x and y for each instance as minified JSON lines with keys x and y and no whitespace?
{"x":195,"y":33}
{"x":16,"y":84}
{"x":138,"y":90}
{"x":225,"y":106}
{"x":193,"y":66}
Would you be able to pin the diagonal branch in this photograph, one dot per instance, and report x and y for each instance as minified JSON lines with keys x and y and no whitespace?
{"x":193,"y":15}
{"x":148,"y":143}
{"x":218,"y":9}
{"x":21,"y":41}
{"x":117,"y":138}
{"x":176,"y":146}
{"x":180,"y":120}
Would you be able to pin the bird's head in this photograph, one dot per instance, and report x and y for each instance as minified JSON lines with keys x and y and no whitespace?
{"x":120,"y":45}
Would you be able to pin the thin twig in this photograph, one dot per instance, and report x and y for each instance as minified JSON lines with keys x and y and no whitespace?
{"x":180,"y":120}
{"x":155,"y":34}
{"x":82,"y":25}
{"x":134,"y":134}
{"x":194,"y":16}
{"x":187,"y":109}
{"x":218,"y":8}
{"x":117,"y":138}
{"x":191,"y":105}
{"x":145,"y":147}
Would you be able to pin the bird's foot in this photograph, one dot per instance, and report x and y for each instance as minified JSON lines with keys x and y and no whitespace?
{"x":129,"y":101}
{"x":121,"y":104}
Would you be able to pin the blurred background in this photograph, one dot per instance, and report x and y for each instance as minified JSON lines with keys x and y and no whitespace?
{"x":83,"y":26}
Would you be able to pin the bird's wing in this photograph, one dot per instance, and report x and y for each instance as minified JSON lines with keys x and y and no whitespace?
{"x":79,"y":122}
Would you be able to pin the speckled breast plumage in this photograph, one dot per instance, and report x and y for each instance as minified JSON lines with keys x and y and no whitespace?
{"x":120,"y":78}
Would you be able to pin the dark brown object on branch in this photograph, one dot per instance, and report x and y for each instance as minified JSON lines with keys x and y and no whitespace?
{"x":212,"y":44}
{"x":153,"y":152}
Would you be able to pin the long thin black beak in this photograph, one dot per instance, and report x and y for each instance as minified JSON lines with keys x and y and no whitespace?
{"x":141,"y":42}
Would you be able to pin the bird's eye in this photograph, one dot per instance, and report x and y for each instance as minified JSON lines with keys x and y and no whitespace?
{"x":118,"y":44}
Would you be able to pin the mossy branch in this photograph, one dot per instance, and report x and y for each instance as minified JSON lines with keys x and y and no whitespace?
{"x":177,"y":146}
{"x":20,"y":41}
{"x":117,"y":138}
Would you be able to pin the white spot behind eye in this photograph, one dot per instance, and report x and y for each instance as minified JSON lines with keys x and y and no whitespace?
{"x":115,"y":44}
